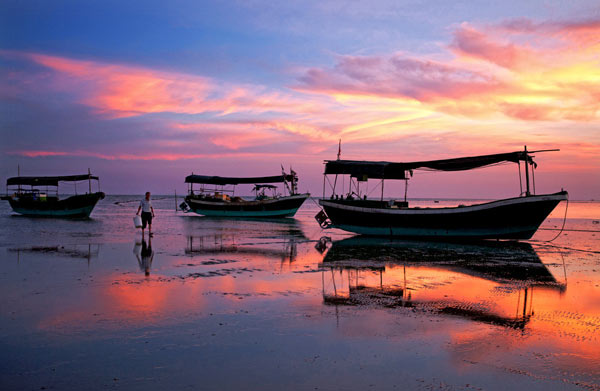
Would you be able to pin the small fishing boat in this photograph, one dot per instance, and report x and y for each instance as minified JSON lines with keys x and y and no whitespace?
{"x":216,"y":196}
{"x":37,"y":202}
{"x":512,"y":218}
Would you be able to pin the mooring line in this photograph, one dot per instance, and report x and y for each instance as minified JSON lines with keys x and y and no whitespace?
{"x":565,"y":247}
{"x":561,"y":228}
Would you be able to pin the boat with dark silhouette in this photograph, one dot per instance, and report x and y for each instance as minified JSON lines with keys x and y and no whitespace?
{"x":32,"y":196}
{"x":216,"y":196}
{"x":511,"y":218}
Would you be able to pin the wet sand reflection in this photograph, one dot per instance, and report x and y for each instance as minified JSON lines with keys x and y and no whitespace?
{"x":206,"y":296}
{"x":486,"y":282}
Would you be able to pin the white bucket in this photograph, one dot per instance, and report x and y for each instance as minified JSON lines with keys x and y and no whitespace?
{"x":137,"y":221}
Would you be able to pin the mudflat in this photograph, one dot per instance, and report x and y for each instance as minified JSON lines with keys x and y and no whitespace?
{"x":218,"y":304}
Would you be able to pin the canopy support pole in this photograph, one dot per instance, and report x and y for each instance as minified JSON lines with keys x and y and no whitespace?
{"x":382,"y":189}
{"x":520,"y":180}
{"x":527,"y":193}
{"x":533,"y":178}
{"x":335,"y":184}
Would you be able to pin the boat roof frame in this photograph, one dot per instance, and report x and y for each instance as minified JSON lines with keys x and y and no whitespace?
{"x":48,"y":180}
{"x":397,"y":170}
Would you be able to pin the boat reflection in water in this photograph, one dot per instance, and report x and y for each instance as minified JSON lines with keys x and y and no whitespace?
{"x":266,"y":238}
{"x":285,"y":250}
{"x":88,"y":251}
{"x":488,"y":282}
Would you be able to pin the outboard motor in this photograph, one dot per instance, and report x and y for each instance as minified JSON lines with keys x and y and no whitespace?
{"x":323,"y":219}
{"x":184,"y":207}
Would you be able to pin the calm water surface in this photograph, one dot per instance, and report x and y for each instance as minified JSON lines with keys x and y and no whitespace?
{"x":269,"y":305}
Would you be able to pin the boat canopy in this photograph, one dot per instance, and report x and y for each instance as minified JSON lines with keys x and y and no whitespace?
{"x":218,"y":180}
{"x":390,"y":170}
{"x":47,"y":180}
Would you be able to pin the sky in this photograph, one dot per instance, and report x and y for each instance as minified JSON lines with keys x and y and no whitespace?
{"x":145,"y":93}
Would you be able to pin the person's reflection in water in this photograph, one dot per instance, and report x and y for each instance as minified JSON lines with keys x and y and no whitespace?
{"x":146,"y":256}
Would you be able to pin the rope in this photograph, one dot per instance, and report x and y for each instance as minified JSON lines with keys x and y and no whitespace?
{"x":569,"y":230}
{"x":565,"y":247}
{"x":561,"y":228}
{"x":316,"y":203}
{"x":563,"y":223}
{"x":120,"y":203}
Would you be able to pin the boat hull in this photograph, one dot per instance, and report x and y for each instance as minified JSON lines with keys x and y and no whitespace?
{"x":513,"y":218}
{"x":78,"y":206}
{"x":271,"y":208}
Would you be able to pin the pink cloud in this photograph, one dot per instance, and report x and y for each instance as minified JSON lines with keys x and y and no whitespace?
{"x":121,"y":90}
{"x":39,"y":153}
{"x":582,"y":32}
{"x":524,"y":70}
{"x":238,"y":134}
{"x":117,"y":90}
{"x":471,"y":42}
{"x":397,"y":76}
{"x":145,"y":156}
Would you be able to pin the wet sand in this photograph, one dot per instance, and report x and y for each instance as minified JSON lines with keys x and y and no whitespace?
{"x":269,"y":305}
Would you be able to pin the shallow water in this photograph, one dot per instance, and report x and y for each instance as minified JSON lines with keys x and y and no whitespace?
{"x":233,"y":304}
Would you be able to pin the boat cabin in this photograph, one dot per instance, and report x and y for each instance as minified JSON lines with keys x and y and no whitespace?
{"x":44,"y":188}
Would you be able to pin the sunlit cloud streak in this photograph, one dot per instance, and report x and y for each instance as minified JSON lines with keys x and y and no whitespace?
{"x":140,"y":156}
{"x":117,"y":90}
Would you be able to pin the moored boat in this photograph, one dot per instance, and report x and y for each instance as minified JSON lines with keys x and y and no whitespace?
{"x":216,"y":196}
{"x":35,"y":202}
{"x":512,"y":218}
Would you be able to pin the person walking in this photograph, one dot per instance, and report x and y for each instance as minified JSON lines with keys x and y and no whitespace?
{"x":147,"y":213}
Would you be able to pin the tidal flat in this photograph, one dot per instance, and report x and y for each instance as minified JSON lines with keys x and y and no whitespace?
{"x":217,"y":304}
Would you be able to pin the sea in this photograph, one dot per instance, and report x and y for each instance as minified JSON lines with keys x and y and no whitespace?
{"x":226,"y":304}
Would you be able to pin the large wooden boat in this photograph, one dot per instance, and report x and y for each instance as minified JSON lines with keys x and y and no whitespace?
{"x":512,"y":218}
{"x":216,"y":197}
{"x":36,"y":202}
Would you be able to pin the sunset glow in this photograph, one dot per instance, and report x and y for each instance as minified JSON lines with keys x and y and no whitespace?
{"x":481,"y":87}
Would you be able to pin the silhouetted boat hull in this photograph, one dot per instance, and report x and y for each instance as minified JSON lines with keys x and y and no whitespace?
{"x":272,"y":208}
{"x":78,"y":206}
{"x":513,"y":218}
